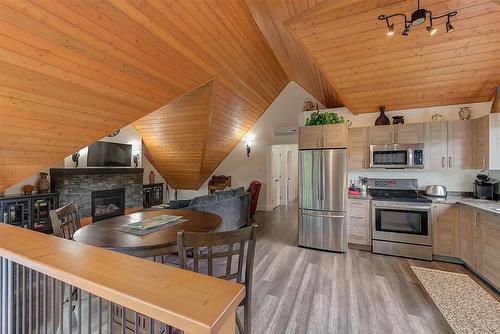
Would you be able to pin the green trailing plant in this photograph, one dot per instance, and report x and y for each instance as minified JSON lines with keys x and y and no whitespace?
{"x":317,"y":118}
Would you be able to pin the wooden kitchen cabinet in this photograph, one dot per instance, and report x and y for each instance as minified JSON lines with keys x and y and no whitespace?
{"x":397,"y":134}
{"x":309,"y":137}
{"x":467,"y":220}
{"x":459,"y":144}
{"x":323,"y":136}
{"x":480,"y":142}
{"x":487,"y":246}
{"x":446,"y":230}
{"x":382,"y":134}
{"x":436,"y":145}
{"x":357,"y":148}
{"x":358,"y":222}
{"x":410,"y":133}
{"x":448,"y":145}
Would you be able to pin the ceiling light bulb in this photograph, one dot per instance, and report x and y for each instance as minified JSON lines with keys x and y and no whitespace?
{"x":449,"y":27}
{"x":391,"y":30}
{"x":431,"y":30}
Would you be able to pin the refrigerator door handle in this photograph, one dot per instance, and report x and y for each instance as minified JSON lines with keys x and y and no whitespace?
{"x":320,"y":215}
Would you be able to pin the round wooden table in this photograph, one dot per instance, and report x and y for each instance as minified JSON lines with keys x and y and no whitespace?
{"x":161,"y":242}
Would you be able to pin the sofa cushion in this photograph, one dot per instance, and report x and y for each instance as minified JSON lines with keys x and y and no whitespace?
{"x":238,"y":191}
{"x":179,"y":204}
{"x":222,"y":195}
{"x":203,"y":200}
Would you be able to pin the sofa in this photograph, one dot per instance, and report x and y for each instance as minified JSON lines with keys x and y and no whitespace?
{"x":232,"y":205}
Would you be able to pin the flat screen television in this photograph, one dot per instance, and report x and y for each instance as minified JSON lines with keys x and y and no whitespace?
{"x":104,"y":154}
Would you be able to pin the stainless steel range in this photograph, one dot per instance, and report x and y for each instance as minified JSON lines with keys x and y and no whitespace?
{"x":401,"y":218}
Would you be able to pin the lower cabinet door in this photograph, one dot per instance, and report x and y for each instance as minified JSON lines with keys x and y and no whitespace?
{"x":487,"y":247}
{"x":323,"y":230}
{"x":446,"y":230}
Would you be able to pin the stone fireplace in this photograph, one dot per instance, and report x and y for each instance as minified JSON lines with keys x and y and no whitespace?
{"x":98,"y":191}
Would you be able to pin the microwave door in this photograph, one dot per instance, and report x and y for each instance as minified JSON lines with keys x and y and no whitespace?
{"x":390,"y":158}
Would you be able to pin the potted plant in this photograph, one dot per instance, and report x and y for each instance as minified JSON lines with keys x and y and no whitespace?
{"x":317,"y":118}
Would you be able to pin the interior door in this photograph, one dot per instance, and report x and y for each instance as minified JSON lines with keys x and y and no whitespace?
{"x":309,"y":179}
{"x":275,"y":176}
{"x":334,"y":179}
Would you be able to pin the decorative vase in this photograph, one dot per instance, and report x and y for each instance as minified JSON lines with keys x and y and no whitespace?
{"x":437,"y":117}
{"x":151,"y":177}
{"x":43,"y":185}
{"x":398,"y":120}
{"x":382,"y":119}
{"x":464,"y":113}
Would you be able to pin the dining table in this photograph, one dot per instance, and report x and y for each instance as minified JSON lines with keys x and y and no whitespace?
{"x":110,"y":234}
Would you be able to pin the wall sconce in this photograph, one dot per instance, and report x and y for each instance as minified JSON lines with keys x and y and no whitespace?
{"x":136,"y":160}
{"x":248,"y":139}
{"x":75,"y":157}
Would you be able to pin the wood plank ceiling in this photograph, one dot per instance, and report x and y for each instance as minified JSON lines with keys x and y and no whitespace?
{"x":368,"y":68}
{"x":72,"y":71}
{"x":271,"y":17}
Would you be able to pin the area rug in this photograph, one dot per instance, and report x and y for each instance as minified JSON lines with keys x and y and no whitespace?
{"x":467,"y":307}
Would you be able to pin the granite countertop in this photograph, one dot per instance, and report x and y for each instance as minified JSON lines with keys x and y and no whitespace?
{"x":483,"y":204}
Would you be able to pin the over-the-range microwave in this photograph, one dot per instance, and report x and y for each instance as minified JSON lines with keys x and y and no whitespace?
{"x":397,"y":156}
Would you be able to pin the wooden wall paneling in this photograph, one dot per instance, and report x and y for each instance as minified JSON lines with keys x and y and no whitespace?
{"x":368,"y":68}
{"x":73,"y":71}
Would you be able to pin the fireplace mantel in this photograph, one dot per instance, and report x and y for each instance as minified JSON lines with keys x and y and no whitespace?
{"x":87,"y":171}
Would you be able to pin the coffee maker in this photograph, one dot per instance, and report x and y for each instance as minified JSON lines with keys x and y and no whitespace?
{"x":485,"y":187}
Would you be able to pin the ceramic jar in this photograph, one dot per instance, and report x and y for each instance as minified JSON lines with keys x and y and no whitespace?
{"x":43,"y":185}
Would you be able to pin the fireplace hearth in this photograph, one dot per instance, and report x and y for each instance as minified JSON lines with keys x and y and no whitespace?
{"x":107,"y":204}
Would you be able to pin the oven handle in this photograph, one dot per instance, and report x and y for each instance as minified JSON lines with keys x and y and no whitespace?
{"x":401,"y":207}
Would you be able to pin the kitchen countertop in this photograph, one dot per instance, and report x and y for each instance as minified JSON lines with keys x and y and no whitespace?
{"x":361,"y":197}
{"x":483,"y":204}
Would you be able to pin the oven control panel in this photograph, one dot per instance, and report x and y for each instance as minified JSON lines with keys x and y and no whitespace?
{"x":395,"y":184}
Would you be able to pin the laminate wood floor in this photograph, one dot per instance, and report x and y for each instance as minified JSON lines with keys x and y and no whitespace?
{"x":299,"y":290}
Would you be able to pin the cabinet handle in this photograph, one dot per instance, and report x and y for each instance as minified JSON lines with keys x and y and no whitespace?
{"x":323,"y":141}
{"x":484,"y":162}
{"x":449,"y":162}
{"x":317,"y":141}
{"x":443,"y":162}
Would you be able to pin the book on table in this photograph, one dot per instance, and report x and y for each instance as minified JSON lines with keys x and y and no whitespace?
{"x":154,"y":222}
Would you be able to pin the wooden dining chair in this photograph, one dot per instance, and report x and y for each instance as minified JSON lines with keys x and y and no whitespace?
{"x":65,"y":221}
{"x":212,"y":247}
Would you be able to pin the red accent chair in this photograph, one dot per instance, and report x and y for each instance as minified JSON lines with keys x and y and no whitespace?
{"x":254,"y":189}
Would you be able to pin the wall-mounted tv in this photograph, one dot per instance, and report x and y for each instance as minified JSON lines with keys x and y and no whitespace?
{"x":104,"y":154}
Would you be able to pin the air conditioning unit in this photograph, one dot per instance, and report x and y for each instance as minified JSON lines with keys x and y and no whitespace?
{"x":285,"y":130}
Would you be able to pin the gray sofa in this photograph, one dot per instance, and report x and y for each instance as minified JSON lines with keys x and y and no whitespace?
{"x":232,"y":205}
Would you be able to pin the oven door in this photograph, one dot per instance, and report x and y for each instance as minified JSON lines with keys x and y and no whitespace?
{"x":390,"y":156}
{"x":402,"y":222}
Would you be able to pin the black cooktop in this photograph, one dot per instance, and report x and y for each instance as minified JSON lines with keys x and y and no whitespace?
{"x":397,"y":196}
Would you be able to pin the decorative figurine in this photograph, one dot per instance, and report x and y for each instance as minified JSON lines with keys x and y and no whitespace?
{"x":464,"y":113}
{"x":28,"y":189}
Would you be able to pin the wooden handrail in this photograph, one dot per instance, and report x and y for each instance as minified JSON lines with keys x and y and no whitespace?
{"x":186,"y":300}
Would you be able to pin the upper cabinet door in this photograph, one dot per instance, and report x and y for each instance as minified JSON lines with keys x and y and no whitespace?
{"x":410,"y":133}
{"x":480,"y":142}
{"x":436,"y":145}
{"x":310,"y":137}
{"x":459,"y":145}
{"x":334,"y":136}
{"x":382,"y":135}
{"x":357,"y":148}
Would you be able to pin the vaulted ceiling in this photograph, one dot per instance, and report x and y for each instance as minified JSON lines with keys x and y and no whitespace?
{"x":73,"y":71}
{"x":195,"y":75}
{"x":367,"y":68}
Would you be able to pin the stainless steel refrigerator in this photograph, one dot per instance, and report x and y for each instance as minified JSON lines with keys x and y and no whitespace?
{"x":322,"y":199}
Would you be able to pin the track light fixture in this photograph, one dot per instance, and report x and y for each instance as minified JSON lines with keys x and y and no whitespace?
{"x":417,"y":18}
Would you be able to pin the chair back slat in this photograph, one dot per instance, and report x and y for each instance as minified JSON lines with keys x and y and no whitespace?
{"x":65,"y":221}
{"x":210,"y":246}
